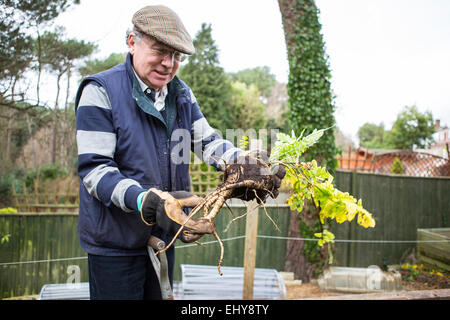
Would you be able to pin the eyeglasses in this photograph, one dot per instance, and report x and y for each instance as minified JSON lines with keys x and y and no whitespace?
{"x":167,"y":53}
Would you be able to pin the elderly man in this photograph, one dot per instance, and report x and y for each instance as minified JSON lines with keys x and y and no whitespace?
{"x":129,"y":121}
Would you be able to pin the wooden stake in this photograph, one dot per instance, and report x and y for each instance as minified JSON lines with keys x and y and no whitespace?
{"x":349,"y":157}
{"x":251,"y":231}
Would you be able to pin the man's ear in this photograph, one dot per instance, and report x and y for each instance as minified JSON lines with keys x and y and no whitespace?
{"x":131,"y":43}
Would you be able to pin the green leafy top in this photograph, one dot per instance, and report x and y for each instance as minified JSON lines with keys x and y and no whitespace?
{"x":289,"y":148}
{"x":310,"y":181}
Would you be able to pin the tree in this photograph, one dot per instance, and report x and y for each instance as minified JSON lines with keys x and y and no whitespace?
{"x":397,"y":167}
{"x":72,"y":51}
{"x":248,"y":112}
{"x":272,"y":94}
{"x":411,"y":129}
{"x":311,"y":107}
{"x":59,"y":56}
{"x":18,"y":16}
{"x":36,"y":12}
{"x":310,"y":101}
{"x":208,"y":80}
{"x":95,"y":66}
{"x":17,"y":19}
{"x":343,"y":142}
{"x":15,"y":56}
{"x":259,"y":76}
{"x":371,"y":135}
{"x":21,"y":116}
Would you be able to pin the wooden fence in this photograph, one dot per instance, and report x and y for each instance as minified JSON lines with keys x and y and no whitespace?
{"x":400,"y":205}
{"x":44,"y":248}
{"x":61,"y":195}
{"x":204,"y":178}
{"x":35,"y":240}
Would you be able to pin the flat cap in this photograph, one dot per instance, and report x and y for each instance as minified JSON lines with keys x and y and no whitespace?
{"x":164,"y":25}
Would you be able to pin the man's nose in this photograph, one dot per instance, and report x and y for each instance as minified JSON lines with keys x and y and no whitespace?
{"x":168,"y":60}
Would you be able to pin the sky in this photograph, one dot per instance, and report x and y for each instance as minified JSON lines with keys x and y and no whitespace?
{"x":383,"y":54}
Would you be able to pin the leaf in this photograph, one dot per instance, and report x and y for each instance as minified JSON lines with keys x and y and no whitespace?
{"x":325,"y":237}
{"x":8,"y":210}
{"x":315,"y":135}
{"x":5,"y":238}
{"x":365,"y":219}
{"x":310,"y":181}
{"x":243,"y":143}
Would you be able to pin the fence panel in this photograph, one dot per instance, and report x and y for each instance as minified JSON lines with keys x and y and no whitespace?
{"x":61,"y":195}
{"x":39,"y":237}
{"x":270,"y":252}
{"x":204,"y":178}
{"x":58,"y":195}
{"x":400,"y":204}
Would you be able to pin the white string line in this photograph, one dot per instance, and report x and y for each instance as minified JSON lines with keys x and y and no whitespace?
{"x":360,"y":241}
{"x":241,"y":237}
{"x":85,"y":257}
{"x":38,"y":261}
{"x":316,"y":239}
{"x":209,"y":242}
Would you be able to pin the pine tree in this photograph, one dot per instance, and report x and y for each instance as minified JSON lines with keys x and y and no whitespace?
{"x":397,"y":167}
{"x":208,"y":80}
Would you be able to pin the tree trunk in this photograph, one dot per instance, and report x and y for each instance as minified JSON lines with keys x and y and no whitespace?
{"x":304,"y":257}
{"x":33,"y":149}
{"x":39,"y":67}
{"x":9,"y":135}
{"x":55,"y":119}
{"x":295,"y":261}
{"x":65,"y":141}
{"x":289,"y":17}
{"x":66,"y":102}
{"x":304,"y":44}
{"x":55,"y":133}
{"x":9,"y":125}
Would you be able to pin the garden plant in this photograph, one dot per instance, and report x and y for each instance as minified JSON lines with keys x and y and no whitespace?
{"x":307,"y":181}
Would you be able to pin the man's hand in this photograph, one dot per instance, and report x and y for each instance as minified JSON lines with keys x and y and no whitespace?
{"x":254,"y":166}
{"x":166,"y":210}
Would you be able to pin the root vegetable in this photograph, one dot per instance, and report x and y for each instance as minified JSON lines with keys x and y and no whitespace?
{"x":216,"y":199}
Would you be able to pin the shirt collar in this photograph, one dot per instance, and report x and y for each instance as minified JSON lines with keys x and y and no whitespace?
{"x":144,"y":87}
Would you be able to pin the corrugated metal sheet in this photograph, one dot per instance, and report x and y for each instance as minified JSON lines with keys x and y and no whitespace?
{"x":205,"y":283}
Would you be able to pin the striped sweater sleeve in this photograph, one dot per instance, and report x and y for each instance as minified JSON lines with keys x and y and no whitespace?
{"x":208,"y":143}
{"x":96,"y":141}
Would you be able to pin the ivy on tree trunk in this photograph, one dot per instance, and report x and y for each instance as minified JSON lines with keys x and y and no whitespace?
{"x":311,"y":107}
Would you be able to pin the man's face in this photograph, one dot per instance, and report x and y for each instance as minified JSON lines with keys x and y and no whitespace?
{"x":155,"y":63}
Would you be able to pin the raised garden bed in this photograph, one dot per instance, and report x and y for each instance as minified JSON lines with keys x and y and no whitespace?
{"x":434,"y":254}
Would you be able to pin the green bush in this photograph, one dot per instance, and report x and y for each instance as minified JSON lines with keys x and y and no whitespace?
{"x":397,"y":167}
{"x":17,"y":176}
{"x":12,"y":177}
{"x":8,"y":210}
